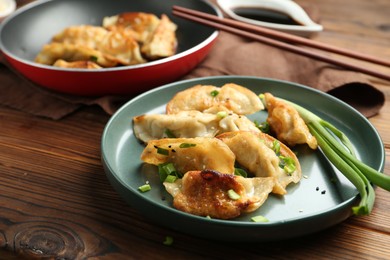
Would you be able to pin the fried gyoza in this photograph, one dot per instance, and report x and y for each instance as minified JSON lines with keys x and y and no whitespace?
{"x":157,"y":36}
{"x":189,"y":154}
{"x":70,"y":52}
{"x":124,"y":49}
{"x":116,"y":44}
{"x":256,"y":153}
{"x":286,"y":123}
{"x":233,"y":97}
{"x":205,"y":193}
{"x":188,"y":124}
{"x":162,"y":42}
{"x":85,"y":35}
{"x":137,"y":25}
{"x":81,"y":64}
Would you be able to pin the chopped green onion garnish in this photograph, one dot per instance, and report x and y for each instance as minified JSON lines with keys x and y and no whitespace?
{"x":263,"y":127}
{"x":289,"y":169}
{"x":259,"y":219}
{"x":287,"y":164}
{"x":93,"y":58}
{"x":167,"y":169}
{"x":169,"y":133}
{"x":262,"y":97}
{"x":170,"y":178}
{"x":276,"y":147}
{"x":214,"y":93}
{"x":222,"y":114}
{"x":240,"y":172}
{"x":162,"y":173}
{"x":145,"y":188}
{"x":168,"y":241}
{"x":186,"y":145}
{"x":233,"y":195}
{"x":162,"y":151}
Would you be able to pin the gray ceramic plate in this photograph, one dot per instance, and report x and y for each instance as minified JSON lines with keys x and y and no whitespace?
{"x":322,"y":199}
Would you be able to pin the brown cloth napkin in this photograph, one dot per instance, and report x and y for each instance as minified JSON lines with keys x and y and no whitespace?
{"x":231,"y":55}
{"x":234,"y":55}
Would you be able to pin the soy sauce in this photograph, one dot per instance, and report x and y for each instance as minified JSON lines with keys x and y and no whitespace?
{"x":265,"y":15}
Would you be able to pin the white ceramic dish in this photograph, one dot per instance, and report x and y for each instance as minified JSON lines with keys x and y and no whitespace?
{"x":304,"y":25}
{"x":7,"y":7}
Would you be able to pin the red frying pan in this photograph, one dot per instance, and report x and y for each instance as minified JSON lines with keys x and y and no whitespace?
{"x":23,"y":34}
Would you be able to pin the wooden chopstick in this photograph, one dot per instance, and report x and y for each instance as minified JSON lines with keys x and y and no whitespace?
{"x":284,"y":36}
{"x":256,"y":33}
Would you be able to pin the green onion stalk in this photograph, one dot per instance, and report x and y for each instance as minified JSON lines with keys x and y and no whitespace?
{"x":339,"y":150}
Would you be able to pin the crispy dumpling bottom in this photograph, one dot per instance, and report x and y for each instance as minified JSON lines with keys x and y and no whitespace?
{"x":138,"y":25}
{"x":206,"y":193}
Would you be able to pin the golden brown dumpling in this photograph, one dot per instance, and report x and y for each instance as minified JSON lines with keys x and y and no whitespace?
{"x":137,"y":25}
{"x":256,"y":153}
{"x":189,"y":154}
{"x":124,"y":49}
{"x":205,"y":193}
{"x":162,"y":42}
{"x":286,"y":123}
{"x":52,"y":52}
{"x":117,"y":44}
{"x":233,"y":97}
{"x":188,"y":124}
{"x":197,"y":98}
{"x":85,"y":35}
{"x":81,"y":64}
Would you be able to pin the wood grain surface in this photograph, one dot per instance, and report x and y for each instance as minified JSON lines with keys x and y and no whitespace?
{"x":56,"y":202}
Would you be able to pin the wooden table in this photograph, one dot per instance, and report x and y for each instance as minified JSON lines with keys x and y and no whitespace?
{"x":55,"y":200}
